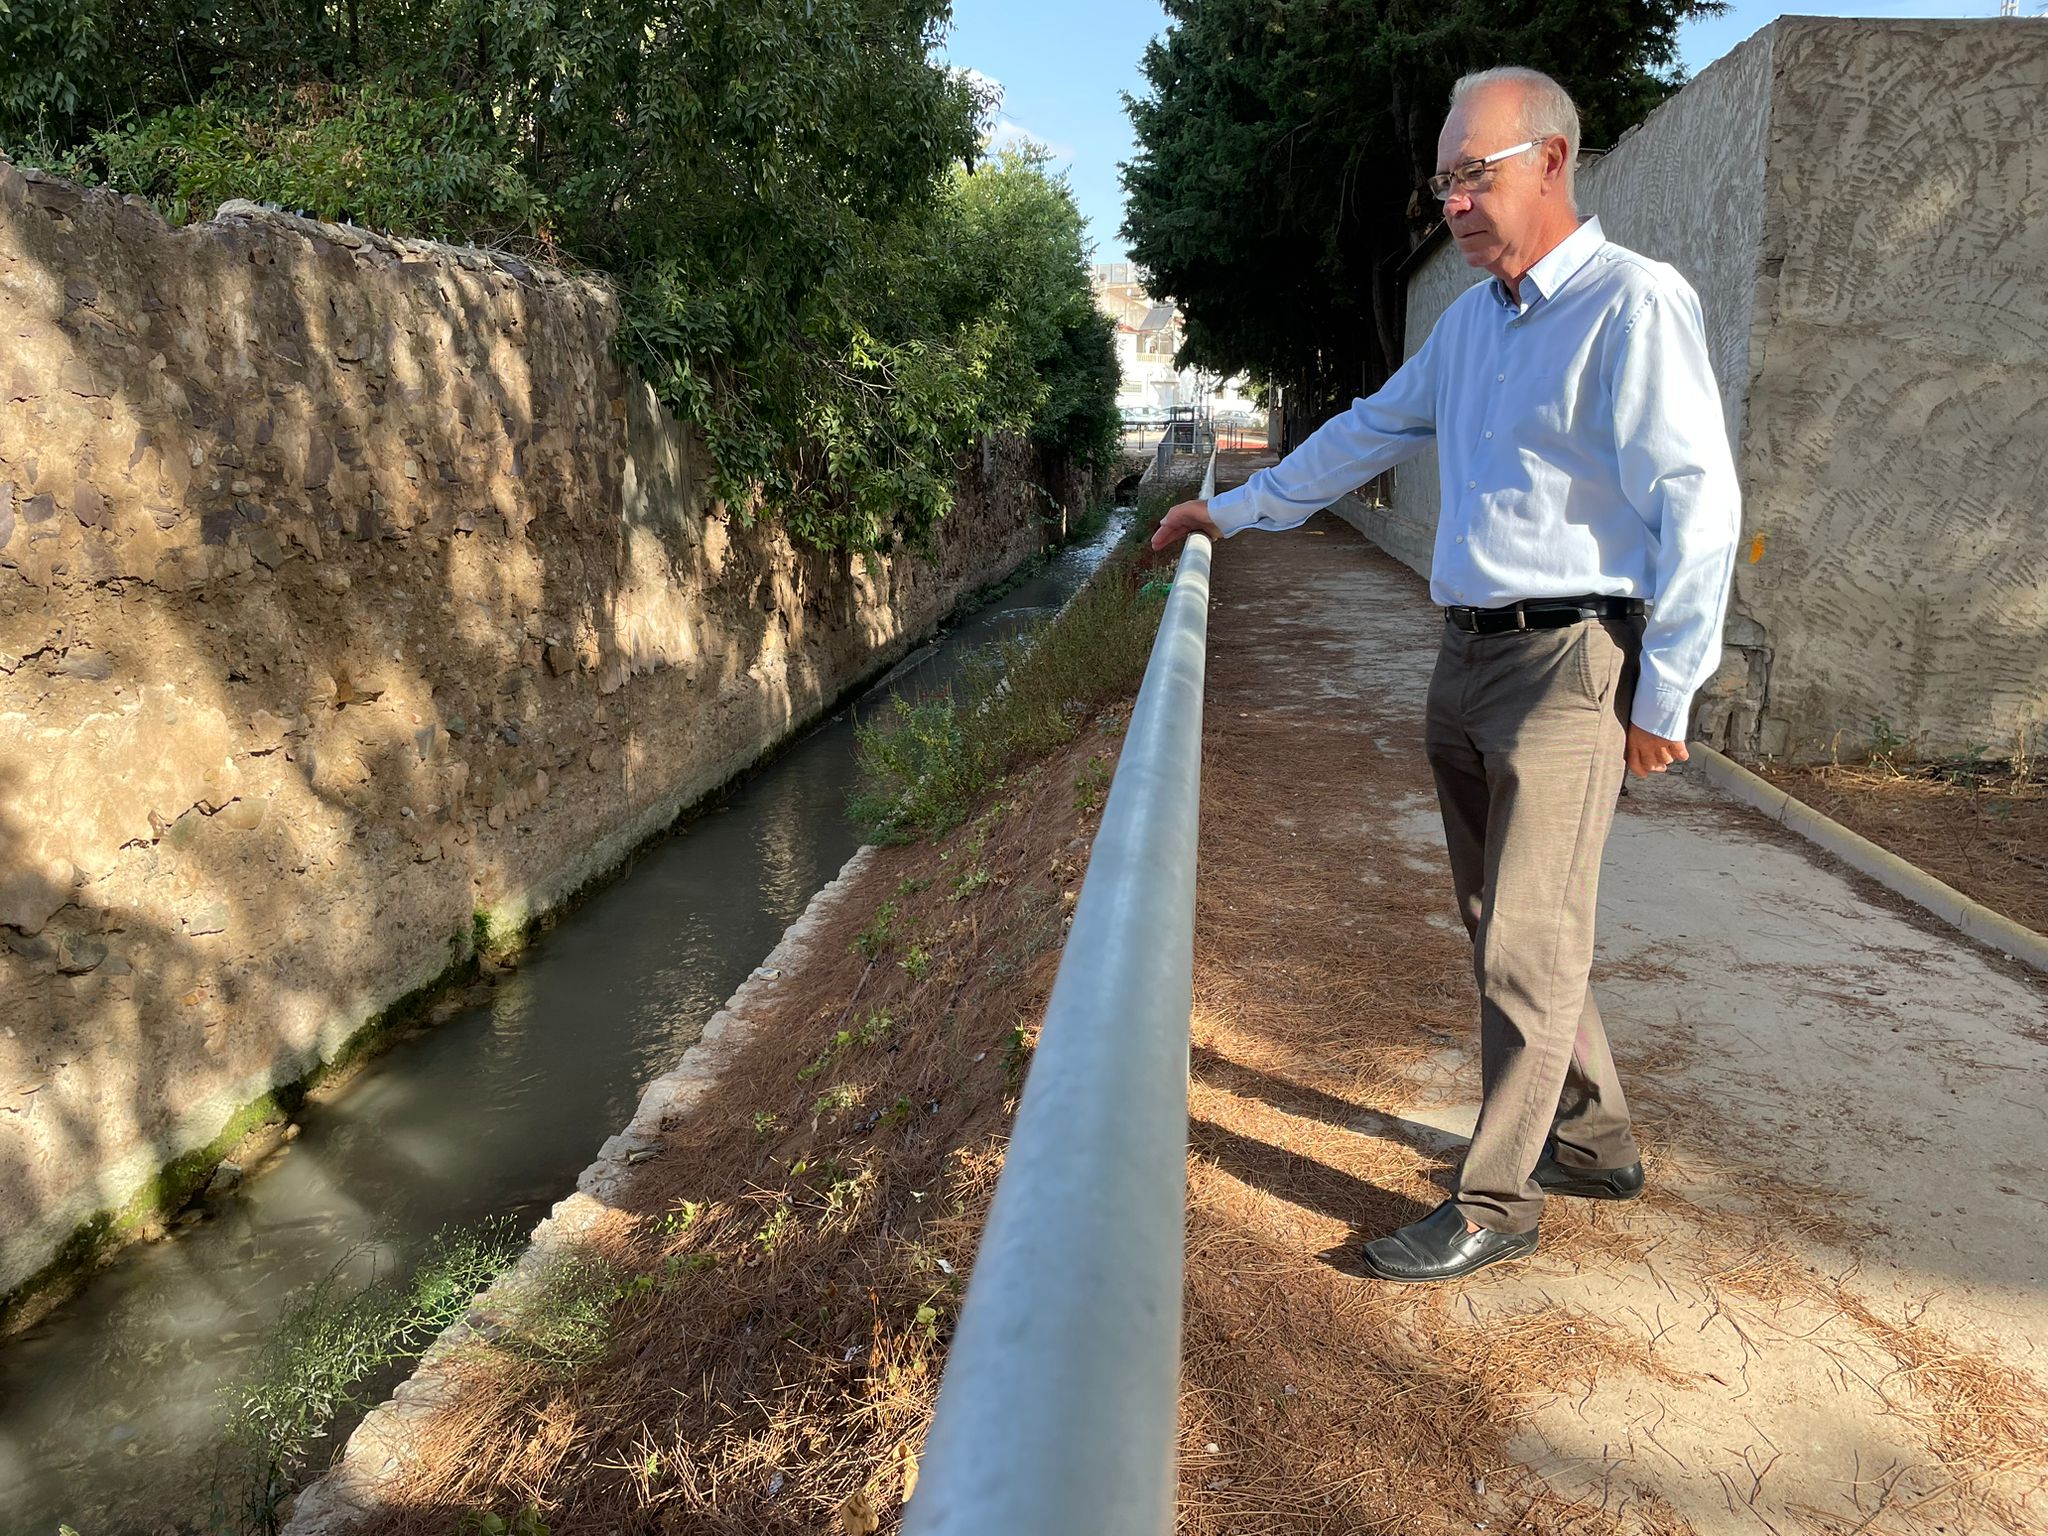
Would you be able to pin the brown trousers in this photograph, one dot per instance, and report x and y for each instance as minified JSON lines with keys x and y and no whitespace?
{"x":1525,"y":734}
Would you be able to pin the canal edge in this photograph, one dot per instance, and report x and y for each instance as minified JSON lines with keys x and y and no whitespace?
{"x":353,"y":1488}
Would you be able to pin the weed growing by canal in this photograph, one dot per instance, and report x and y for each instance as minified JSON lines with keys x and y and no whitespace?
{"x":874,"y":938}
{"x":871,"y":1031}
{"x":329,"y":1347}
{"x":562,"y":1321}
{"x":924,"y":764}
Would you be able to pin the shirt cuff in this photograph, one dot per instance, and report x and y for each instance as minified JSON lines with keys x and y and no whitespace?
{"x":1230,"y":511}
{"x":1662,"y":711}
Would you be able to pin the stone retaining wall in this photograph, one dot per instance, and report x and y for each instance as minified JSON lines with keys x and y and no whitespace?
{"x":355,"y":605}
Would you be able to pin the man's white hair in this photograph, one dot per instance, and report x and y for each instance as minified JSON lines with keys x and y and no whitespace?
{"x":1547,"y":110}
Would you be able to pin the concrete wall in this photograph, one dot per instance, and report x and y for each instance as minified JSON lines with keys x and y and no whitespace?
{"x":1863,"y":207}
{"x":349,"y":589}
{"x":1897,"y":461}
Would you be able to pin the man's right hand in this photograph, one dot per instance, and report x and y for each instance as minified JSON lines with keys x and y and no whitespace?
{"x":1189,"y":517}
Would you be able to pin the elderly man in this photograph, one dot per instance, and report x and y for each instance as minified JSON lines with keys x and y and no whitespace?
{"x":1583,"y":552}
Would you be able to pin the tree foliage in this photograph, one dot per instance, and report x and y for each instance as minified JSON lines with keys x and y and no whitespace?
{"x":1282,"y":146}
{"x":815,"y":264}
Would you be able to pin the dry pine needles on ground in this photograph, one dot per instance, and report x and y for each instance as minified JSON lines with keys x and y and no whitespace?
{"x":775,"y":1296}
{"x":1981,"y":827}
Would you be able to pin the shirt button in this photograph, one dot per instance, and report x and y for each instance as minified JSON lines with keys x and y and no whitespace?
{"x":1489,"y":434}
{"x":1471,"y":485}
{"x":1461,"y":538}
{"x":1500,"y":378}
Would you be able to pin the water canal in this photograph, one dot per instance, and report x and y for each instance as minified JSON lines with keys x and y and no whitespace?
{"x":111,"y":1408}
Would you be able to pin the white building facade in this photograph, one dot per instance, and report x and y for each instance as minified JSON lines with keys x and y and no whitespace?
{"x":1149,"y":334}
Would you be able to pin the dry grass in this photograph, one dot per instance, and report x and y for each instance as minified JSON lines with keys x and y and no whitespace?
{"x":1982,"y":828}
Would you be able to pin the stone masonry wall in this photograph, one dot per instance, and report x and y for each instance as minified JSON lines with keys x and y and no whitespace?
{"x":1863,"y":209}
{"x":349,"y":590}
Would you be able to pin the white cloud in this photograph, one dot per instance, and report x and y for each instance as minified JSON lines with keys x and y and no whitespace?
{"x":1004,"y":131}
{"x":1007,"y":133}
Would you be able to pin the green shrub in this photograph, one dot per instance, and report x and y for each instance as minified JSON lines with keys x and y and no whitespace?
{"x":370,"y":155}
{"x":918,"y":769}
{"x":806,"y":266}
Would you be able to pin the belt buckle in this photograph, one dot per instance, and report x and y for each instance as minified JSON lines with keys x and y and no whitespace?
{"x":1521,"y":617}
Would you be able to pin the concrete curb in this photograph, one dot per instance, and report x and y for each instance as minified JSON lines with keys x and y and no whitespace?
{"x":1861,"y":854}
{"x":378,"y":1453}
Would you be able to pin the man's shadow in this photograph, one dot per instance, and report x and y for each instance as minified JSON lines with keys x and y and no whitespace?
{"x":1370,"y":1210}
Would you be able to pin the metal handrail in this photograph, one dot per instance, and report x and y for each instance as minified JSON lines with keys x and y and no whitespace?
{"x":1061,"y":1397}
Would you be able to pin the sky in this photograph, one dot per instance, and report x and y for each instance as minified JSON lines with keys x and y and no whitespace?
{"x":1063,"y":66}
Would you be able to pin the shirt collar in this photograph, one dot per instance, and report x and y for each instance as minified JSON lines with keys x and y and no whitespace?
{"x":1555,"y":268}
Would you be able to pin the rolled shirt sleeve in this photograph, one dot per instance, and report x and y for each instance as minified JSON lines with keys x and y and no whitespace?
{"x":1677,"y":472}
{"x":1396,"y":422}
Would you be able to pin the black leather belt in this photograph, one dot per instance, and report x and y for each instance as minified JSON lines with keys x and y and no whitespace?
{"x":1542,"y":613}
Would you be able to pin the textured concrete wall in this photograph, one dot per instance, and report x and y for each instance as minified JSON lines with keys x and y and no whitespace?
{"x":1896,"y":464}
{"x":1687,"y":186}
{"x":1863,"y":207}
{"x":348,"y":589}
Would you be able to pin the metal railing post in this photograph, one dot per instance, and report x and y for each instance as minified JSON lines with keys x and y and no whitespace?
{"x":1060,"y":1405}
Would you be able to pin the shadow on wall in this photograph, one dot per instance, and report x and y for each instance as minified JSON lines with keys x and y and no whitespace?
{"x":325,"y":564}
{"x":115,"y":1029}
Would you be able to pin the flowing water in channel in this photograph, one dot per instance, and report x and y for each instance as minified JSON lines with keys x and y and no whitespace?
{"x":111,"y":1408}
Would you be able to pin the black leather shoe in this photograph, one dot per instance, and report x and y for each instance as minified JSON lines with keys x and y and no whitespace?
{"x":1439,"y":1248}
{"x":1588,"y":1183}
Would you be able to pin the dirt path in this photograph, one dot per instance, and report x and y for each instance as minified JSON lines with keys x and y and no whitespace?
{"x":1830,"y":1314}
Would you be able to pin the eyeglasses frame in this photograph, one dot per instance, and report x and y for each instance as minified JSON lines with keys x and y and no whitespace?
{"x":1464,"y":177}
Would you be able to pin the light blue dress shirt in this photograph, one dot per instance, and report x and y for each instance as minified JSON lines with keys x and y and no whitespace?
{"x":1582,"y":448}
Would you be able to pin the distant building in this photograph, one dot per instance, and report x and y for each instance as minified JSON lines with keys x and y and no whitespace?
{"x":1149,"y":335}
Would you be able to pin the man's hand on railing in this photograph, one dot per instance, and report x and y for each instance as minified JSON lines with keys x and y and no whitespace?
{"x":1189,"y":517}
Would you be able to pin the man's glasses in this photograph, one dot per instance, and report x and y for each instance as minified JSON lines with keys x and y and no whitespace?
{"x":1473,"y":174}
